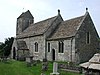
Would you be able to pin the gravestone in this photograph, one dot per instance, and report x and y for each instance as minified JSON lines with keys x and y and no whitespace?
{"x":29,"y":61}
{"x":55,"y":69}
{"x":44,"y":65}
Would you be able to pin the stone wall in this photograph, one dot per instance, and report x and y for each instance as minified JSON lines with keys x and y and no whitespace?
{"x":69,"y":50}
{"x":24,"y":21}
{"x":53,"y":45}
{"x":31,"y":46}
{"x":19,"y":26}
{"x":14,"y":45}
{"x":84,"y":51}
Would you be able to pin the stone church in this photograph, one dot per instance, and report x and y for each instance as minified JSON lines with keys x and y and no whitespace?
{"x":73,"y":40}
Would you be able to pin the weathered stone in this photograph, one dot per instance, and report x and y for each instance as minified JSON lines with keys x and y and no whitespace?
{"x":55,"y":69}
{"x":72,"y":32}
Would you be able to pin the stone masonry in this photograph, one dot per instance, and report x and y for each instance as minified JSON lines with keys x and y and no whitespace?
{"x":73,"y":40}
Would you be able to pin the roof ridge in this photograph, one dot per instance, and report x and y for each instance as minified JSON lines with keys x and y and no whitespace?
{"x":40,"y":21}
{"x":45,"y":19}
{"x":74,"y":18}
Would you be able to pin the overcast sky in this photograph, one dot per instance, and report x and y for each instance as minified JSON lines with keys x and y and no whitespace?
{"x":43,"y":9}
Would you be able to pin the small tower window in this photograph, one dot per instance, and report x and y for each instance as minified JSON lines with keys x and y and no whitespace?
{"x":87,"y":37}
{"x":61,"y":47}
{"x":48,"y":47}
{"x":36,"y":47}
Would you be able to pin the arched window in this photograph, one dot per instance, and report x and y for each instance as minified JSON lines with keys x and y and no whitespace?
{"x":61,"y":47}
{"x":36,"y":47}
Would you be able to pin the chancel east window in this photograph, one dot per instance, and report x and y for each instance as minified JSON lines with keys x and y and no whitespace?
{"x":48,"y":47}
{"x":36,"y":47}
{"x":61,"y":47}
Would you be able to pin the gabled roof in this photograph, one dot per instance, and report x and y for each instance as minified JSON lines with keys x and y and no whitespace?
{"x":67,"y":28}
{"x":21,"y":45}
{"x":26,"y":14}
{"x":37,"y":28}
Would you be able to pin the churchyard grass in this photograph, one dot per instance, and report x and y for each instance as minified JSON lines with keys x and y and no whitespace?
{"x":13,"y":67}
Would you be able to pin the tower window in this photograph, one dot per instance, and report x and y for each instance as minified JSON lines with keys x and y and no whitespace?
{"x":36,"y":47}
{"x":61,"y":47}
{"x":48,"y":47}
{"x":87,"y":37}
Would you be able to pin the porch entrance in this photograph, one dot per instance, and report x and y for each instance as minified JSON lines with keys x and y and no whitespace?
{"x":14,"y":53}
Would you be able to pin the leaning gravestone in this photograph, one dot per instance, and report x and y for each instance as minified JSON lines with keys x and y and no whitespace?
{"x":55,"y":69}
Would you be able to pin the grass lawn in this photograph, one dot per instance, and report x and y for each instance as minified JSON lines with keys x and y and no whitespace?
{"x":13,"y":67}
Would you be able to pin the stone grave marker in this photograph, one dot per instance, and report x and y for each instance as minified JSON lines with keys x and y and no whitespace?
{"x":29,"y":61}
{"x":55,"y":69}
{"x":44,"y":65}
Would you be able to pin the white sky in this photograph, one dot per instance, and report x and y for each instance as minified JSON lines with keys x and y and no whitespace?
{"x":43,"y":9}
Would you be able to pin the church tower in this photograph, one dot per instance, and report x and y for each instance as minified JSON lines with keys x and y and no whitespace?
{"x":24,"y":21}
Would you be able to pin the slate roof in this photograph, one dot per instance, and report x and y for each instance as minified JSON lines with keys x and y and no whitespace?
{"x":67,"y":28}
{"x":21,"y":45}
{"x":37,"y":28}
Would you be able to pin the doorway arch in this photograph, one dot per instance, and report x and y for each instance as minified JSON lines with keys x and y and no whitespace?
{"x":14,"y":53}
{"x":53,"y":54}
